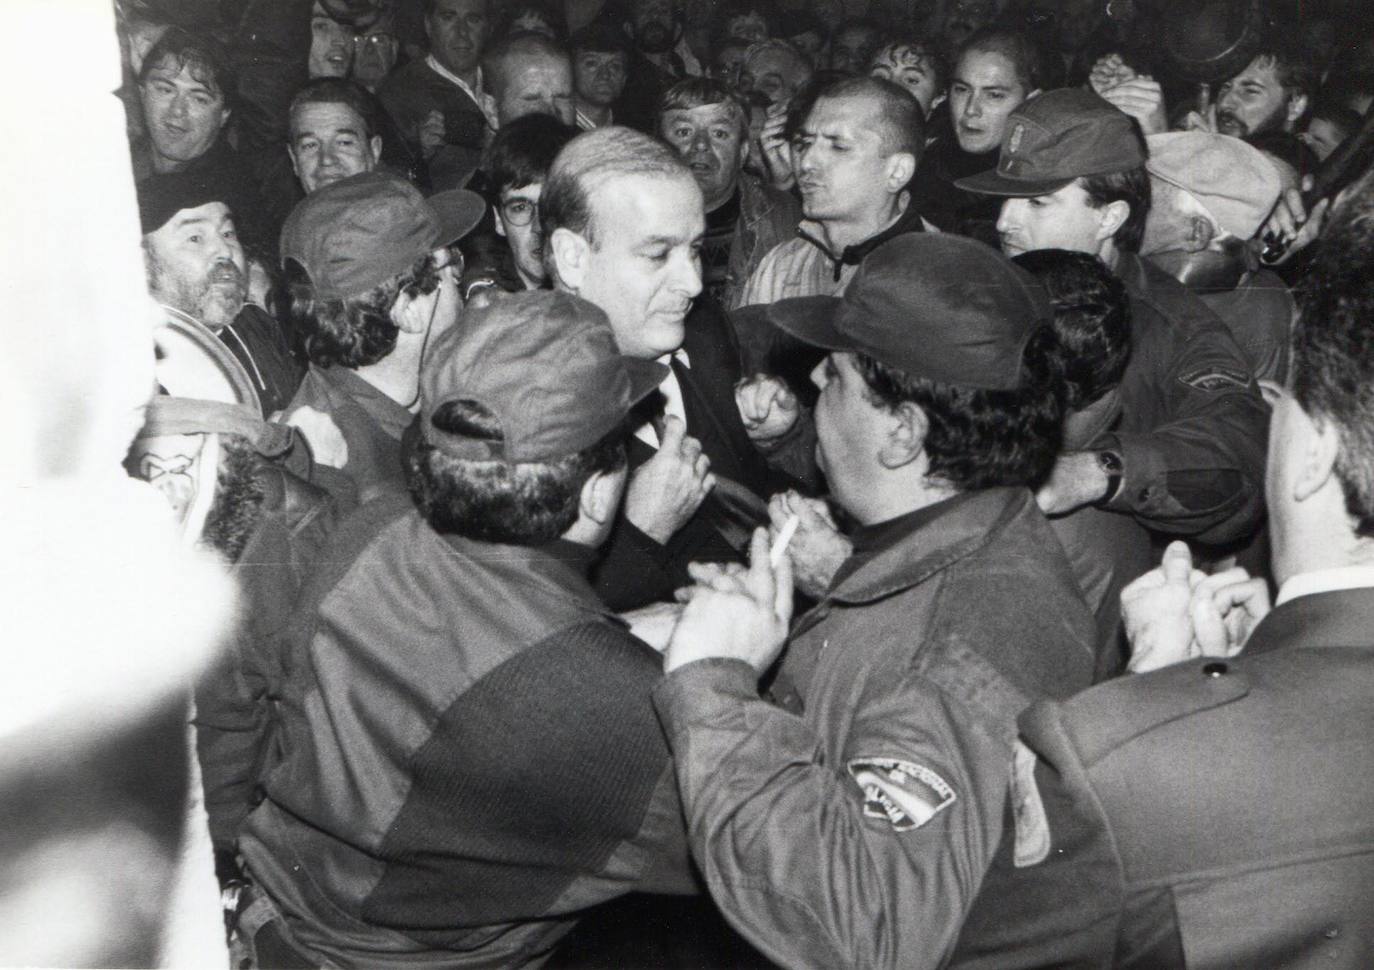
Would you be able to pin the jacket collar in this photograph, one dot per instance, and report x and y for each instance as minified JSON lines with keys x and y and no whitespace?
{"x":961,"y":530}
{"x":558,"y":570}
{"x":1341,"y":618}
{"x":909,"y":221}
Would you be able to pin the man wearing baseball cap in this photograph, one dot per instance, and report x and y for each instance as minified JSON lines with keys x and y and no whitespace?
{"x":369,"y":272}
{"x":848,"y":823}
{"x":470,"y":754}
{"x":1187,"y":457}
{"x":1209,"y":195}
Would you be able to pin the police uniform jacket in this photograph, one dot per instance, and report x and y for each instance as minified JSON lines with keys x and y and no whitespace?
{"x":1211,"y":814}
{"x":850,"y":823}
{"x":1193,"y":428}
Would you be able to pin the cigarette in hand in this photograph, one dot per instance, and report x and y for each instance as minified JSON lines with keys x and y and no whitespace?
{"x":785,"y":534}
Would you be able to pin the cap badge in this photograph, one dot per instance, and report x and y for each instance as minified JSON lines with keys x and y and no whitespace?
{"x":1015,"y":143}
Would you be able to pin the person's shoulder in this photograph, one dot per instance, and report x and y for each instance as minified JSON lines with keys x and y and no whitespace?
{"x":407,"y":77}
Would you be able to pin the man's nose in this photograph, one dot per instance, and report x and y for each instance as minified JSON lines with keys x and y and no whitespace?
{"x":1006,"y":219}
{"x":973,"y":108}
{"x":687,"y":279}
{"x":701,"y":141}
{"x":181,"y":106}
{"x":818,"y":375}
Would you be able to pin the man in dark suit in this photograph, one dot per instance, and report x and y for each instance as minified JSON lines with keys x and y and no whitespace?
{"x":623,"y":220}
{"x":1220,"y":812}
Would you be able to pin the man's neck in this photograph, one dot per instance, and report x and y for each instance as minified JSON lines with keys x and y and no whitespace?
{"x":162,"y":165}
{"x":839,"y":234}
{"x":597,"y":114}
{"x":899,"y":497}
{"x":397,"y":375}
{"x":724,"y":197}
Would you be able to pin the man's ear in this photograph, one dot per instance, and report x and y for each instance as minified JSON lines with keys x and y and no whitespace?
{"x":500,"y":223}
{"x":899,"y":169}
{"x":936,"y":101}
{"x":1297,"y":106}
{"x":1321,"y":444}
{"x":1112,"y":217}
{"x":570,"y":257}
{"x":375,"y":143}
{"x":294,"y":167}
{"x":1200,"y":233}
{"x":600,"y":496}
{"x":906,"y":437}
{"x":223,"y":119}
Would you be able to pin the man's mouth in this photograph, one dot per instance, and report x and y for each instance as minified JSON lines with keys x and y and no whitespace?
{"x":807,"y":185}
{"x":1229,"y":124}
{"x":226,"y":276}
{"x":176,"y":131}
{"x":1010,"y":247}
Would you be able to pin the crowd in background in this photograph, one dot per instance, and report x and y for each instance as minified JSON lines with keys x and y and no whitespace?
{"x":742,"y":483}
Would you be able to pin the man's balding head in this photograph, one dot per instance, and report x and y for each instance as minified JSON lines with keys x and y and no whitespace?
{"x":893,"y":110}
{"x":529,"y":73}
{"x":623,"y":219}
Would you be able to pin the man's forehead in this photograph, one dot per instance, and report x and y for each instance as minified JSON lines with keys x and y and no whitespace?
{"x":639,"y":208}
{"x":1263,"y":69}
{"x":988,"y":68}
{"x":314,"y":116}
{"x":530,"y":193}
{"x":211,"y":212}
{"x":849,"y":113}
{"x":461,"y":6}
{"x":185,"y":71}
{"x":722,"y":111}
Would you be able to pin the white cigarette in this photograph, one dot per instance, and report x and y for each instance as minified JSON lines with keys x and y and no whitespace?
{"x":785,"y":534}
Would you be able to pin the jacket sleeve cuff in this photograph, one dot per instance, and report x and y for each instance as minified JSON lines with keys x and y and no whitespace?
{"x":1144,"y":482}
{"x":701,"y":691}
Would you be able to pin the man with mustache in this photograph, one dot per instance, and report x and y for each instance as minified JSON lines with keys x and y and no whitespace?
{"x":708,"y":125}
{"x":1270,"y":95}
{"x":659,"y":60}
{"x":196,"y":268}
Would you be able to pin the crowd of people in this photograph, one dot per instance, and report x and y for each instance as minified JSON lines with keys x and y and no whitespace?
{"x":746,"y":483}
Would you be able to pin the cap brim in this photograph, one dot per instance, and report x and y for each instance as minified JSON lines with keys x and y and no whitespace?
{"x":811,"y":319}
{"x":645,"y":376}
{"x":458,"y":211}
{"x":994,"y":183}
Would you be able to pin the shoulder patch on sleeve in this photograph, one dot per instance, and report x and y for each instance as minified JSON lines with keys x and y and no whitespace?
{"x":905,"y":794}
{"x":1032,"y":825}
{"x":1214,"y":378}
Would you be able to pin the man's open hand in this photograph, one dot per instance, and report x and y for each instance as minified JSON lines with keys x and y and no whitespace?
{"x":735,"y":613}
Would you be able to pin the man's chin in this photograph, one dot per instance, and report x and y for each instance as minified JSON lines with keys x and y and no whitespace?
{"x":218,"y":310}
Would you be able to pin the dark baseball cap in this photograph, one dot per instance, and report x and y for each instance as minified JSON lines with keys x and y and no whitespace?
{"x":359,"y":232}
{"x":545,"y":363}
{"x":1056,"y":137}
{"x":931,"y":305}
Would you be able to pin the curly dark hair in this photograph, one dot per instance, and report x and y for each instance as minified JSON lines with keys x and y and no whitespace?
{"x":1092,"y":319}
{"x":520,"y":504}
{"x":978,"y":438}
{"x":1333,"y":348}
{"x":356,"y":331}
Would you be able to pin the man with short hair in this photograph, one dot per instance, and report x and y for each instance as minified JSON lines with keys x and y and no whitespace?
{"x":854,"y":155}
{"x":623,"y":219}
{"x":1187,"y":457}
{"x":853,"y":44}
{"x":440,"y":103}
{"x":994,"y":72}
{"x":708,"y":125}
{"x":331,"y":44}
{"x":517,"y":163}
{"x":916,"y":66}
{"x":367,"y":263}
{"x":1270,"y":94}
{"x":333,"y":134}
{"x":504,"y":771}
{"x":1183,"y":817}
{"x":601,"y":58}
{"x":375,"y":49}
{"x":775,"y":69}
{"x":197,"y":268}
{"x":527,"y":74}
{"x":660,"y":58}
{"x":186,"y":89}
{"x":1209,"y":195}
{"x":849,"y":824}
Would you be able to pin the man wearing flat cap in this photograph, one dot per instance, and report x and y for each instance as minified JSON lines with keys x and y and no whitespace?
{"x":369,"y":270}
{"x":849,"y":822}
{"x":1187,"y":456}
{"x":470,"y":756}
{"x":1209,"y":195}
{"x":197,"y":270}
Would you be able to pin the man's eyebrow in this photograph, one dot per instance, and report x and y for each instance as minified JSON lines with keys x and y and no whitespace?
{"x":182,"y":223}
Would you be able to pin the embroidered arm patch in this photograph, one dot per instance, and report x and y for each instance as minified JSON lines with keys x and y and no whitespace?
{"x":905,"y":794}
{"x":1216,"y":378}
{"x":1032,"y":826}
